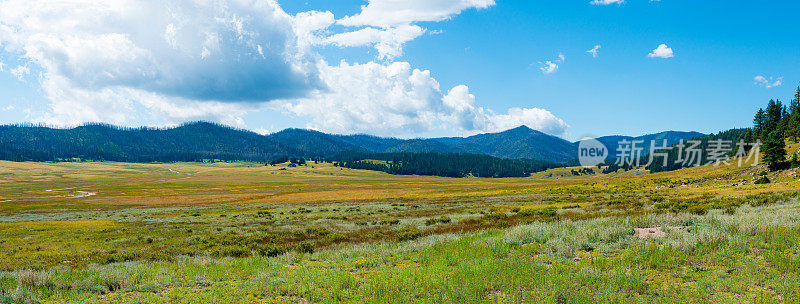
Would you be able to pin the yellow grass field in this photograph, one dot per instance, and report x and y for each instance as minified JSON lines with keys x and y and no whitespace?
{"x":59,"y":218}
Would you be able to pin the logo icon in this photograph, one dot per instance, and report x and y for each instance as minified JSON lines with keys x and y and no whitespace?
{"x":591,"y":152}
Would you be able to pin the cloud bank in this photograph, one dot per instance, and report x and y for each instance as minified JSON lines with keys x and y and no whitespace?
{"x":219,"y":60}
{"x":409,"y":99}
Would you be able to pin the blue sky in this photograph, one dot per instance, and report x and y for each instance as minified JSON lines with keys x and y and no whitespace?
{"x":480,"y":66}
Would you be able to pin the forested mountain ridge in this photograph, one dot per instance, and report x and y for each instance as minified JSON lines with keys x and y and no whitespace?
{"x":203,"y":140}
{"x":189,"y":142}
{"x":672,"y":137}
{"x":520,"y":142}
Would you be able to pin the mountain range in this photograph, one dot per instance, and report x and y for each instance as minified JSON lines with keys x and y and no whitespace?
{"x":203,"y":140}
{"x":672,"y":137}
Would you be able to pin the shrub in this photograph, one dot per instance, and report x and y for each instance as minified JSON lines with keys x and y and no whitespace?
{"x":762,"y":180}
{"x":407,"y":233}
{"x":305,"y":247}
{"x":526,"y":212}
{"x":389,"y":222}
{"x":616,"y":201}
{"x":495,"y":216}
{"x":677,"y":207}
{"x":663,"y":205}
{"x":318,"y":231}
{"x":698,"y":209}
{"x":764,"y":201}
{"x":547,"y":212}
{"x":270,"y":251}
{"x":232,"y":251}
{"x":335,"y":237}
{"x":442,"y":220}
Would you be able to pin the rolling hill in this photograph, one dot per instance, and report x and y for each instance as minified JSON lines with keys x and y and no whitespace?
{"x":203,"y":140}
{"x":672,"y":138}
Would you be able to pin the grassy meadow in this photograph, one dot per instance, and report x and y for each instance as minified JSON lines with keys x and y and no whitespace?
{"x":248,"y":233}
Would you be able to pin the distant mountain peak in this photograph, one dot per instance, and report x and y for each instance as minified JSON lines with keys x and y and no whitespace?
{"x":522,"y":127}
{"x":521,"y":130}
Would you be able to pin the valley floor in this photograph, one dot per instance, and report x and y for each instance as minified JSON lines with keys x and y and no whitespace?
{"x":248,"y":233}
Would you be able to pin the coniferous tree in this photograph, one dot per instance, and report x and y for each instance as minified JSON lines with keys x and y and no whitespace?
{"x":793,"y":124}
{"x":774,"y":114}
{"x":793,"y":121}
{"x":758,"y":122}
{"x":774,"y":150}
{"x":797,"y":95}
{"x":783,"y":123}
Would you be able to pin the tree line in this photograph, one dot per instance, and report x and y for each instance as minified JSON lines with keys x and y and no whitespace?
{"x":444,"y":164}
{"x":772,"y":126}
{"x":99,"y":142}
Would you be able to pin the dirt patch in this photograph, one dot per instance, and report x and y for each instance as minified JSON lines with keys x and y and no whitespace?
{"x":652,"y":233}
{"x":649,"y":233}
{"x":750,"y":170}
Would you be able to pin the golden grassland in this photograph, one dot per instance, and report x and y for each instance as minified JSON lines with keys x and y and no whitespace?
{"x":243,"y":232}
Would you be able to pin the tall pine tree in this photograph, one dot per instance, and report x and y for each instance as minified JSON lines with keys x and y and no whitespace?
{"x":774,"y":150}
{"x":758,"y":123}
{"x":793,"y":121}
{"x":774,"y":115}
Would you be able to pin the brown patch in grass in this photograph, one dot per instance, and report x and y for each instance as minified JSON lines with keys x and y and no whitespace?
{"x":652,"y":233}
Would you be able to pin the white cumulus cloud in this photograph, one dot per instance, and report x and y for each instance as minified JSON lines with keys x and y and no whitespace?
{"x":391,"y":13}
{"x":662,"y":51}
{"x":310,"y":27}
{"x":551,"y":66}
{"x":203,"y":51}
{"x":262,"y":131}
{"x":212,"y":52}
{"x":388,"y":24}
{"x":606,"y":2}
{"x":373,"y":98}
{"x":594,"y":51}
{"x":535,"y":118}
{"x":768,"y":82}
{"x":395,"y":98}
{"x":388,"y":42}
{"x":219,"y":60}
{"x":20,"y":72}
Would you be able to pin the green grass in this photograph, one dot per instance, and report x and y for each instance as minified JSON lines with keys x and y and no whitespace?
{"x":238,"y":232}
{"x":750,"y":256}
